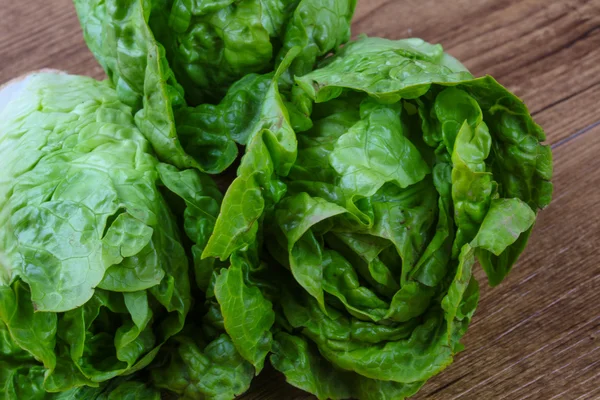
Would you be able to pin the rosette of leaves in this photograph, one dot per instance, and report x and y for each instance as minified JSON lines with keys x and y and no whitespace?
{"x":375,"y":183}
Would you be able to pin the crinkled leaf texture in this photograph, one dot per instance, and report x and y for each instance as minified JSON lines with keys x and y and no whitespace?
{"x":120,"y":35}
{"x":270,"y":153}
{"x":228,"y":337}
{"x":22,"y":377}
{"x":373,"y":212}
{"x":195,"y":369}
{"x":156,"y":52}
{"x":93,"y":271}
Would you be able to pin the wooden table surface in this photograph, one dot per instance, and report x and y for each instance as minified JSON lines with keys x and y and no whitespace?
{"x":536,"y":336}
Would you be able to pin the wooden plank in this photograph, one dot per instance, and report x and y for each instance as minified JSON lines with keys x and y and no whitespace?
{"x":42,"y":34}
{"x":572,"y":114}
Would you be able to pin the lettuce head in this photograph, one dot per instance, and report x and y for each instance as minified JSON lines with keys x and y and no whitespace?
{"x":374,"y":185}
{"x":162,"y":54}
{"x":93,"y":267}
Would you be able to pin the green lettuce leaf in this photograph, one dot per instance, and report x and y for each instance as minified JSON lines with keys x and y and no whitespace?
{"x":121,"y":37}
{"x":271,"y":152}
{"x":193,"y":369}
{"x":234,"y":310}
{"x":247,"y":315}
{"x":22,"y":377}
{"x":93,"y":269}
{"x":304,"y":368}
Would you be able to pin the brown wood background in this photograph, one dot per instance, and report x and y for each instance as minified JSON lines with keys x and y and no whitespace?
{"x":536,"y":336}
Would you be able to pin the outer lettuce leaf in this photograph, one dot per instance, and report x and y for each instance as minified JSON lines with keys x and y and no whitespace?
{"x":247,"y":315}
{"x":413,"y":65}
{"x":93,"y":272}
{"x":502,"y":237}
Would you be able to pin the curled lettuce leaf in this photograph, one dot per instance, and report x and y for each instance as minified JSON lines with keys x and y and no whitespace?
{"x":93,"y":268}
{"x":120,"y":36}
{"x":228,"y":334}
{"x":158,"y":53}
{"x":271,"y":152}
{"x":22,"y":377}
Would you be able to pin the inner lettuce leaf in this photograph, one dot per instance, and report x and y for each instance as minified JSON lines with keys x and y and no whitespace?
{"x":93,"y":269}
{"x":372,"y":186}
{"x":161,"y":53}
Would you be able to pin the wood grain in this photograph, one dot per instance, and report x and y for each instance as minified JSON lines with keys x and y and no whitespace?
{"x":536,"y":336}
{"x":42,"y":34}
